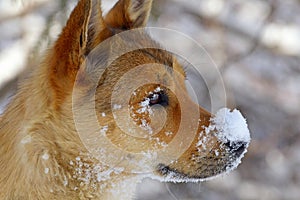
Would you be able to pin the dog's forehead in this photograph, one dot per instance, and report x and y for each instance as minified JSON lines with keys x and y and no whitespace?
{"x":137,"y":55}
{"x":136,"y":44}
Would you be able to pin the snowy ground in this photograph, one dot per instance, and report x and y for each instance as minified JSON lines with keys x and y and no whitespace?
{"x":255,"y":44}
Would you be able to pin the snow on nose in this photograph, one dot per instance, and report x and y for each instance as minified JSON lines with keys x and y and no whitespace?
{"x":231,"y":127}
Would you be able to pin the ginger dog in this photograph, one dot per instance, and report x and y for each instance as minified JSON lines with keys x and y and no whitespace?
{"x":50,"y":147}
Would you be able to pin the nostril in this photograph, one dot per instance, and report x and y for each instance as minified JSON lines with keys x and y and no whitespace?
{"x":237,"y":147}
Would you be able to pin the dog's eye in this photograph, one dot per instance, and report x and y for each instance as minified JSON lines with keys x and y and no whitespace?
{"x":160,"y":98}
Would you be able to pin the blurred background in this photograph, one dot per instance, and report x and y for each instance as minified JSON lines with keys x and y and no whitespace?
{"x":256,"y":46}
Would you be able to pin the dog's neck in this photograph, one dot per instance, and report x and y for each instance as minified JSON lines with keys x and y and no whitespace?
{"x":39,"y":147}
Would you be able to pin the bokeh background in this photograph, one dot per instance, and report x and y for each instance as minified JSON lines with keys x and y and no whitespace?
{"x":256,"y":46}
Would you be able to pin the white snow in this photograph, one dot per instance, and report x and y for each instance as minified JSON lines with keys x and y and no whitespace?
{"x":103,"y":130}
{"x":46,"y":170}
{"x":65,"y":182}
{"x":203,"y":140}
{"x":168,"y":133}
{"x":145,"y":103}
{"x":158,"y":89}
{"x":106,"y":175}
{"x":45,"y":156}
{"x":26,"y":139}
{"x":146,"y":126}
{"x":117,"y":107}
{"x":230,"y":126}
{"x":145,"y":107}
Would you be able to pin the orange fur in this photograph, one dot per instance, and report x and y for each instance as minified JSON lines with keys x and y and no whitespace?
{"x":41,"y":153}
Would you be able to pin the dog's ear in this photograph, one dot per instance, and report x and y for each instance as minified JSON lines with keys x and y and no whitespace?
{"x":78,"y":37}
{"x":82,"y":33}
{"x":129,"y":14}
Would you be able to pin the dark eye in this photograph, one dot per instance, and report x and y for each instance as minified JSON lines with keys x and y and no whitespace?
{"x":160,"y":98}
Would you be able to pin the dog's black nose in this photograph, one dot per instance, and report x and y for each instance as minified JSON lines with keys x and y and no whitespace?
{"x":237,"y":147}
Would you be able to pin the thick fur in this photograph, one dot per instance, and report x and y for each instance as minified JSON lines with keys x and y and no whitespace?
{"x":41,"y":153}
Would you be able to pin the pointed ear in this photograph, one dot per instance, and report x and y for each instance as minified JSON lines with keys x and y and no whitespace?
{"x":81,"y":34}
{"x":129,"y":14}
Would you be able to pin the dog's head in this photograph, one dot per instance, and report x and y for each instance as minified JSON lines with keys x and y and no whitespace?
{"x":139,"y":98}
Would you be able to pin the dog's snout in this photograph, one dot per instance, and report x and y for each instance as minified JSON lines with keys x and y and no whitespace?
{"x":237,"y":147}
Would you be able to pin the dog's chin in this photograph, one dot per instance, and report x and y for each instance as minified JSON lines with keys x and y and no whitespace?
{"x":168,"y":173}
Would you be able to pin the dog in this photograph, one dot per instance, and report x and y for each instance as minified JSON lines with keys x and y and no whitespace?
{"x":86,"y":123}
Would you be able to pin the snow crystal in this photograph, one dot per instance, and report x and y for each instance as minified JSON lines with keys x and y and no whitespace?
{"x":45,"y":156}
{"x":201,"y":144}
{"x":168,"y":133}
{"x":217,"y":152}
{"x":145,"y":125}
{"x":117,"y":107}
{"x":46,"y":170}
{"x":158,"y":143}
{"x":158,"y":89}
{"x":103,"y":176}
{"x":149,"y":154}
{"x":145,"y":103}
{"x":90,"y":174}
{"x":145,"y":107}
{"x":65,"y":182}
{"x":26,"y":139}
{"x":103,"y":130}
{"x":231,"y":126}
{"x":106,"y":175}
